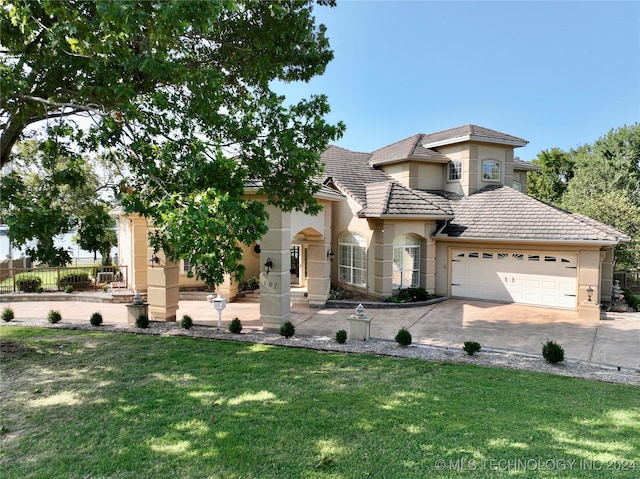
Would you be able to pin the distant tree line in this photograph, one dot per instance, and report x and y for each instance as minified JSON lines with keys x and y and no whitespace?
{"x":601,"y":181}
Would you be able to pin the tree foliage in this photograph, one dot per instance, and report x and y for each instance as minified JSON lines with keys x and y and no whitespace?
{"x":50,"y":191}
{"x":181,"y":93}
{"x":601,"y":181}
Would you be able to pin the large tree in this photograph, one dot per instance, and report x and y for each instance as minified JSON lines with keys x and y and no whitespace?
{"x":181,"y":92}
{"x":50,"y":191}
{"x":601,"y":181}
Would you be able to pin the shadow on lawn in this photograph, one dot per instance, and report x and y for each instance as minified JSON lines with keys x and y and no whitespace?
{"x":129,"y":406}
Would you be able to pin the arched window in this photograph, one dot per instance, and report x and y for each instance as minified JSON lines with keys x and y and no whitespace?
{"x":406,"y":262}
{"x":454,"y":171}
{"x":352,"y":258}
{"x":491,"y":170}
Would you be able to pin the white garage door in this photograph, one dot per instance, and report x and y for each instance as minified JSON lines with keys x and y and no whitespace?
{"x":530,"y":277}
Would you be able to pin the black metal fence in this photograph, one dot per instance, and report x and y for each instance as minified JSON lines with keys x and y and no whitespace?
{"x":41,"y":279}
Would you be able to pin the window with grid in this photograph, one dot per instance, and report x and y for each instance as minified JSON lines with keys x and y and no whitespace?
{"x":352,"y":257}
{"x":455,"y":171}
{"x":406,"y":262}
{"x":491,"y":170}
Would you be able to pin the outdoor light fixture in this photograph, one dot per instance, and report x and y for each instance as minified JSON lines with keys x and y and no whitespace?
{"x":331,"y":254}
{"x":154,"y":260}
{"x":268,"y":265}
{"x":590,"y":292}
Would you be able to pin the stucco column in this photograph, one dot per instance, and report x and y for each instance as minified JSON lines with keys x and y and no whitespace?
{"x":163,"y":291}
{"x":136,"y":256}
{"x":275,"y":286}
{"x":318,"y":279}
{"x":383,"y":259}
{"x":606,"y":275}
{"x":589,"y":277}
{"x":228,"y":289}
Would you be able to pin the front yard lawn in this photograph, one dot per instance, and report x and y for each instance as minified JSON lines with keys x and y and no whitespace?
{"x":78,"y":404}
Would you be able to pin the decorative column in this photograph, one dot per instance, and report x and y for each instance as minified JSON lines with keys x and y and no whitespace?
{"x":228,"y":289}
{"x":588,"y":283}
{"x":163,"y":291}
{"x":383,"y":259}
{"x":275,"y":279}
{"x":318,"y":272}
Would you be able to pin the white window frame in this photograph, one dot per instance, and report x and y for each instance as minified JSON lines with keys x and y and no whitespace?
{"x":406,"y":247}
{"x":454,"y":171}
{"x":352,"y":259}
{"x":488,"y":168}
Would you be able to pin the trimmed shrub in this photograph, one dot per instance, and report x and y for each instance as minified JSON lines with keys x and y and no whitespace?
{"x":409,"y":295}
{"x":8,"y":314}
{"x":186,"y":322}
{"x":235,"y":326}
{"x":96,"y":319}
{"x":76,"y":279}
{"x":28,"y":283}
{"x":142,"y":321}
{"x":552,"y":352}
{"x":341,"y":336}
{"x":54,"y":316}
{"x":471,"y":347}
{"x":287,"y":329}
{"x":403,"y":338}
{"x":39,"y":289}
{"x":631,"y":299}
{"x":68,"y":289}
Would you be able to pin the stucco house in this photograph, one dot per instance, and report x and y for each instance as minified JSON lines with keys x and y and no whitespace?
{"x":445,"y":211}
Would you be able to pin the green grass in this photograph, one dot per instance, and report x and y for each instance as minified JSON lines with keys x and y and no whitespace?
{"x":80,"y":404}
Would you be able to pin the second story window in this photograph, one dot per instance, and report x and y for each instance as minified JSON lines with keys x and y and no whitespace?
{"x":490,"y":170}
{"x":455,"y":171}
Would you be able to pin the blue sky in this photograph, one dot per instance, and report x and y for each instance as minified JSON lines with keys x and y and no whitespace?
{"x":558,"y":74}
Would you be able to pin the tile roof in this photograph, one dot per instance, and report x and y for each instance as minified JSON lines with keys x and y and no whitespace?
{"x":518,"y":164}
{"x":470,"y":132}
{"x":375,"y":191}
{"x":401,"y":150}
{"x":500,"y":212}
{"x":390,"y":198}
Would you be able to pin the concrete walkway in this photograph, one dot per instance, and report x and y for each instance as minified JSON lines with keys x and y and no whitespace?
{"x":612,"y":341}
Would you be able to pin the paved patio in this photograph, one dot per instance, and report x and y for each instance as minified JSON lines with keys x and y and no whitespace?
{"x":612,"y":341}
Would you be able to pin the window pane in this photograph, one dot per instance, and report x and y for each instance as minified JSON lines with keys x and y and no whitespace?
{"x":490,"y":170}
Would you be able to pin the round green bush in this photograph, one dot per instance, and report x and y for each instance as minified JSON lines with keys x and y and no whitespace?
{"x":471,"y":347}
{"x":552,"y":352}
{"x":287,"y":329}
{"x":235,"y":326}
{"x":28,"y":283}
{"x":54,"y":316}
{"x":186,"y":322}
{"x":341,"y":336}
{"x":8,"y":314}
{"x":142,"y":321}
{"x":96,"y":319}
{"x":68,"y":289}
{"x":403,"y":338}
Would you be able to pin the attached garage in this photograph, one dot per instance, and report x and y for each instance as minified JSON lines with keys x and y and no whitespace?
{"x":540,"y":278}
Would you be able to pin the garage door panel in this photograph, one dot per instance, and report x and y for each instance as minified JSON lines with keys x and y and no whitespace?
{"x":542,"y":278}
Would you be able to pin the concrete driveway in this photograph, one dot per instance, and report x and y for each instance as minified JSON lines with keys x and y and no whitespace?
{"x":496,"y":326}
{"x":612,"y":341}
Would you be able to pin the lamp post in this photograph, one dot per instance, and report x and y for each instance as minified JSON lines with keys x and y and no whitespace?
{"x":219,"y":303}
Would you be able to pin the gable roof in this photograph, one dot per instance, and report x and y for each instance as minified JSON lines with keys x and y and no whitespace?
{"x":376,"y":192}
{"x":502,"y":213}
{"x":470,"y":133}
{"x":390,"y":198}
